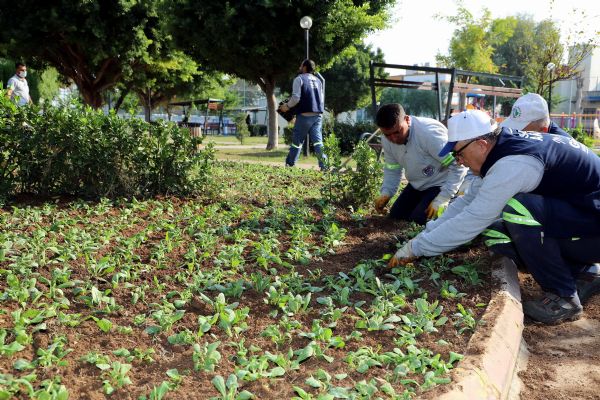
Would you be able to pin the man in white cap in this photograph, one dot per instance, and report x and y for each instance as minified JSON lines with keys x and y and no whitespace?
{"x":546,"y":190}
{"x":530,"y":113}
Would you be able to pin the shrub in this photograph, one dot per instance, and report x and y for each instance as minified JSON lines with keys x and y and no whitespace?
{"x":79,"y":151}
{"x":349,"y":134}
{"x":241,"y":128}
{"x":581,"y":136}
{"x":351,"y":187}
{"x":258,"y":130}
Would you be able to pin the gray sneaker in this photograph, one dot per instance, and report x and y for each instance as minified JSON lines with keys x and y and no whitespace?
{"x":553,"y":309}
{"x":588,"y":284}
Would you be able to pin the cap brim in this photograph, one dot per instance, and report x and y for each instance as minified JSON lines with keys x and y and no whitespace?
{"x":513,"y":124}
{"x":447,"y":149}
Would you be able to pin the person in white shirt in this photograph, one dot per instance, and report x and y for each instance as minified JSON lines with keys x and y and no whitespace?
{"x":17,"y":87}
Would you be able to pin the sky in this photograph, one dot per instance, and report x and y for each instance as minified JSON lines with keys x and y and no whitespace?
{"x":416,"y":36}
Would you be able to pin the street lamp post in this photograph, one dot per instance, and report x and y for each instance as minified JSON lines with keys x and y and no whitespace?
{"x":550,"y":67}
{"x":306,"y":23}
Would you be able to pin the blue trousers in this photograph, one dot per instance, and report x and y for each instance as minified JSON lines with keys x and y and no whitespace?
{"x":412,"y":204}
{"x":310,"y":125}
{"x":553,"y":259}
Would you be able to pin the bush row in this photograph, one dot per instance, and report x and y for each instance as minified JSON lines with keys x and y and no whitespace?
{"x":79,"y":151}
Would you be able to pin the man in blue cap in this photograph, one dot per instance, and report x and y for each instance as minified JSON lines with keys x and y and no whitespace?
{"x":545,"y":189}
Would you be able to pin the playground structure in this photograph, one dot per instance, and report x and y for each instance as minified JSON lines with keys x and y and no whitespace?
{"x":204,"y":124}
{"x":467,"y":84}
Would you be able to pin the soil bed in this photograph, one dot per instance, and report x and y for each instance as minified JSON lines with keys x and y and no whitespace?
{"x":93,"y":279}
{"x":563,"y":360}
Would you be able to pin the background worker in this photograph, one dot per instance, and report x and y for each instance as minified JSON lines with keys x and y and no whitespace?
{"x":17,"y":87}
{"x":546,"y":189}
{"x":530,"y":113}
{"x":309,"y":94}
{"x":412,"y":144}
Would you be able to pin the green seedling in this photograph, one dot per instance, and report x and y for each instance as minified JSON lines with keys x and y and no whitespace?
{"x":206,"y":357}
{"x":229,"y":390}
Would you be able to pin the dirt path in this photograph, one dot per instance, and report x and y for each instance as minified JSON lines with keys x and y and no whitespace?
{"x":564,"y":360}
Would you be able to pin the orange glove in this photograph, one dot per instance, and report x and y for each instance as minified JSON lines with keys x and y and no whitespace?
{"x":437,"y":207}
{"x":403,"y":256}
{"x":381,"y":202}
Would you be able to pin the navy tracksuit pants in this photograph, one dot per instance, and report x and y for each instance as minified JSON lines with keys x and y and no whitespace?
{"x":554,"y":240}
{"x":412,"y":204}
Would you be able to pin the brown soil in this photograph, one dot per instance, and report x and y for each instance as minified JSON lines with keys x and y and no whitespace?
{"x":372,"y":238}
{"x":564,"y":360}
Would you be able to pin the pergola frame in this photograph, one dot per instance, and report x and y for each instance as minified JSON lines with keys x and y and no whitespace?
{"x":456,"y":85}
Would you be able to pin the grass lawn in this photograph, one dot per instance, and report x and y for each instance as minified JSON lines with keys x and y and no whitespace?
{"x":272,"y":156}
{"x":222,"y":140}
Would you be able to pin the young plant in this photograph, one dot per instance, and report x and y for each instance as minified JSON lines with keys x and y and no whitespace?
{"x":206,"y":357}
{"x":229,"y":390}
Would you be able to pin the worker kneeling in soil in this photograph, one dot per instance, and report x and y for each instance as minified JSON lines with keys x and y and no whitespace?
{"x":546,"y":191}
{"x":413,"y":144}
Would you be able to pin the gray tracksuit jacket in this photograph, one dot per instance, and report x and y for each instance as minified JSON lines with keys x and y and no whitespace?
{"x":419,"y":159}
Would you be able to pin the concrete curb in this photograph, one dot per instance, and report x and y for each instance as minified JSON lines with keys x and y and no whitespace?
{"x":488,"y":375}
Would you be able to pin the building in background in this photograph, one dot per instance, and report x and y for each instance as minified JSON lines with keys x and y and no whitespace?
{"x":581,"y":95}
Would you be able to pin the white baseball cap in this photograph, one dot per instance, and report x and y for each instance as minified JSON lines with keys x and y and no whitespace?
{"x":467,"y":125}
{"x":528,"y":108}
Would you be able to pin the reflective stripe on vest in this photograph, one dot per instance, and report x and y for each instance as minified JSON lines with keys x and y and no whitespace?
{"x":523,"y":218}
{"x":498,"y":237}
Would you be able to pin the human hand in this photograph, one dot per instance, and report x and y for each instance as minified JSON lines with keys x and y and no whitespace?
{"x":437,"y":207}
{"x":284,"y":107}
{"x":381,"y":202}
{"x":403,"y":256}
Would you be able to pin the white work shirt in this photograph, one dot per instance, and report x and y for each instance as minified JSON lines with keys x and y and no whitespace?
{"x":20,"y":89}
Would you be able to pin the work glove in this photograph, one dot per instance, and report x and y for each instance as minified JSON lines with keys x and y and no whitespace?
{"x":437,"y":206}
{"x":381,"y":202}
{"x":403,"y":256}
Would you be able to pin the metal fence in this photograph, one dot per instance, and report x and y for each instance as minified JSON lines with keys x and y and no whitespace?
{"x":586,"y":122}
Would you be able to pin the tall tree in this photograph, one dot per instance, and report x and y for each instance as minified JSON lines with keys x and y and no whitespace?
{"x":348,"y":78}
{"x":470,"y":46}
{"x":94,"y":43}
{"x":262,"y":42}
{"x":156,"y":82}
{"x":517,"y":45}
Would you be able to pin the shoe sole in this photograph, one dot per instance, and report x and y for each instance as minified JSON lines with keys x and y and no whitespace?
{"x":591,"y":291}
{"x":570,"y":318}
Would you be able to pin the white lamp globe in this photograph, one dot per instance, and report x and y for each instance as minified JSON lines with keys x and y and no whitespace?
{"x":306,"y":22}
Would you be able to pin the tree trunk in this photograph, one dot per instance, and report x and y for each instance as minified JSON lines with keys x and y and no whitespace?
{"x":91,"y":96}
{"x":268,"y":87}
{"x":119,"y":102}
{"x":147,"y":112}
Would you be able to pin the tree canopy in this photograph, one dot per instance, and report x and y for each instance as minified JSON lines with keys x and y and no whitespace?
{"x":95,"y":43}
{"x":348,"y":78}
{"x":262,"y":42}
{"x":515,"y":45}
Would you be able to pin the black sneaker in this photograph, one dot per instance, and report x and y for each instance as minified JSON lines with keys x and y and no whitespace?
{"x":588,"y":284}
{"x":552,"y":309}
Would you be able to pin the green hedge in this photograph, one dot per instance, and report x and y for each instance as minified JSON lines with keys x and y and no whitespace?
{"x":347,"y":134}
{"x":257,"y":130}
{"x":79,"y":151}
{"x":582,"y":136}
